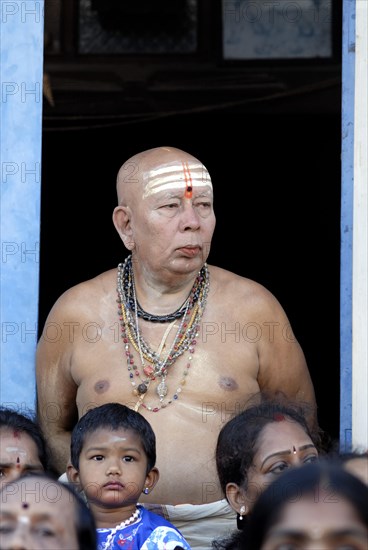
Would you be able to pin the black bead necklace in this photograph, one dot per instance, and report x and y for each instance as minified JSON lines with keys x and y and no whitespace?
{"x":131,"y":303}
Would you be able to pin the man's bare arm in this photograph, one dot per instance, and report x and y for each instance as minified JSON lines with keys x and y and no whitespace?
{"x":283,"y":367}
{"x":56,"y":389}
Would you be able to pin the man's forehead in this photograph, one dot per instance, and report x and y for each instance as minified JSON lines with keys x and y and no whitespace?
{"x":183,"y":175}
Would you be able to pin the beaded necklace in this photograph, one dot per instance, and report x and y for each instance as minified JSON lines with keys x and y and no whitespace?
{"x":153,"y":366}
{"x":132,"y":519}
{"x":134,"y":305}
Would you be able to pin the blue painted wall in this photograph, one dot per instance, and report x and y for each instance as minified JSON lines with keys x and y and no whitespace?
{"x":21,"y":50}
{"x":347,"y":195}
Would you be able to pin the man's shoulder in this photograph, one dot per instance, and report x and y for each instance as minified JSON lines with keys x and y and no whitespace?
{"x":228,"y":281}
{"x":88,"y":291}
{"x":241,"y":293}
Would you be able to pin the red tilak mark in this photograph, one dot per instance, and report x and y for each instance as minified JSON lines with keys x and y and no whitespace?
{"x":278,"y":417}
{"x":18,"y":460}
{"x":188,"y":181}
{"x":16,"y":434}
{"x":25,"y":504}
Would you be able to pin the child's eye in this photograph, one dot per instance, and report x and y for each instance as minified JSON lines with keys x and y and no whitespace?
{"x":128,"y":459}
{"x":97,"y":457}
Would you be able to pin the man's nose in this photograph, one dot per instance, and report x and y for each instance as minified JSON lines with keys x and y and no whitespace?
{"x":190,"y":218}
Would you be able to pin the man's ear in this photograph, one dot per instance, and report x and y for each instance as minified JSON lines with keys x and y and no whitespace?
{"x":122,"y":222}
{"x":236,"y":498}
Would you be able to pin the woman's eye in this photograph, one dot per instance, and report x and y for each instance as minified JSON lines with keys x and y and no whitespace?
{"x":347,"y":547}
{"x":312,"y":458}
{"x":278,"y":468}
{"x":6,"y":529}
{"x":44,"y":532}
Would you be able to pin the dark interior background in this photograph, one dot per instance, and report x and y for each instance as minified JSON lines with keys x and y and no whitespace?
{"x":275,"y":167}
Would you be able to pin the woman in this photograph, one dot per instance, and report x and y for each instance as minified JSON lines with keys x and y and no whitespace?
{"x":256,"y":446}
{"x":319,"y":505}
{"x":22,"y":446}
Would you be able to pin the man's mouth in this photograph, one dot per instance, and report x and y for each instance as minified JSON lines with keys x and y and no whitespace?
{"x":190,"y":251}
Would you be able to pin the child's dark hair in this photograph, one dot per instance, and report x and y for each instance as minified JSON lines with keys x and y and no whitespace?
{"x":113,"y":416}
{"x":13,"y":420}
{"x":238,"y":438}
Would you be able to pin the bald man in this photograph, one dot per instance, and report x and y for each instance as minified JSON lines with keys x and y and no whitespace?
{"x":182,"y":342}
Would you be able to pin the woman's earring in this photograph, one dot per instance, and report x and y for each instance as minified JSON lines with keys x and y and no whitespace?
{"x":146,"y":491}
{"x":241,"y":512}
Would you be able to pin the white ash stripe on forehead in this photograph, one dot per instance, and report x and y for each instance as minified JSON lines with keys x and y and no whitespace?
{"x":174,"y":177}
{"x":16,"y":450}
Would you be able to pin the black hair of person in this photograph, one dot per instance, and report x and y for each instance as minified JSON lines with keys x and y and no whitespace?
{"x":13,"y":420}
{"x":113,"y":416}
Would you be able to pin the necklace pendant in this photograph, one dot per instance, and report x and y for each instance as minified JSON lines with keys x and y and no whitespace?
{"x":161,"y":390}
{"x":142,"y":389}
{"x":148,"y":370}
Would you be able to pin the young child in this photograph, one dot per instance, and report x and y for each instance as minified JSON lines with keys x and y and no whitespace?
{"x":113,"y":456}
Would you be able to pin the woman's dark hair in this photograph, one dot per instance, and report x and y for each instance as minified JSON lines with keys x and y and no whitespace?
{"x":11,"y":419}
{"x":113,"y":416}
{"x":297,"y":483}
{"x":85,"y":524}
{"x":238,"y":439}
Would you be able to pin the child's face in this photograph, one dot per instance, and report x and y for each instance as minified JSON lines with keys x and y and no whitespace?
{"x":112,"y":467}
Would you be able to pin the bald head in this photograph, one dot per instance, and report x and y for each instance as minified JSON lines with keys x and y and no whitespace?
{"x":157,"y":169}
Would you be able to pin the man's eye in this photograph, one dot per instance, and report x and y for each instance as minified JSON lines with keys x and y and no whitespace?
{"x":2,"y":472}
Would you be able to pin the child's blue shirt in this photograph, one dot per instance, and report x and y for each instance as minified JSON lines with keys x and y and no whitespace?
{"x":149,"y":532}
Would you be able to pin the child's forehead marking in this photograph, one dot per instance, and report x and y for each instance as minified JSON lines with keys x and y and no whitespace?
{"x":183,"y":176}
